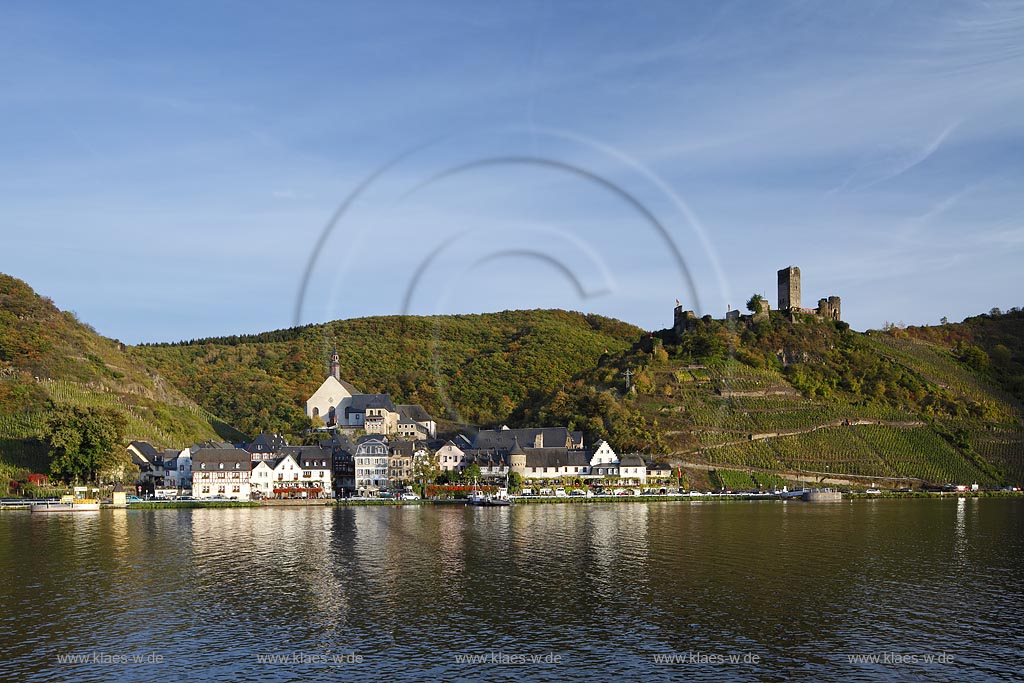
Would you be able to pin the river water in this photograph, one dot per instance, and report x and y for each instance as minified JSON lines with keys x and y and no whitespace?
{"x":769,"y":591}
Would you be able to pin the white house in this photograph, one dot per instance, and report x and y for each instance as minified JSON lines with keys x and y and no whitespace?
{"x":632,"y":468}
{"x":603,"y":462}
{"x":222,"y":472}
{"x":262,"y":478}
{"x":413,"y":419}
{"x":180,"y":475}
{"x":554,"y":463}
{"x":450,"y":457}
{"x":300,"y":472}
{"x":371,"y":465}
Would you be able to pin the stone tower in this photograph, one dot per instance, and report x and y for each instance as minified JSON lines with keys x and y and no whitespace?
{"x":682,"y":321}
{"x":336,"y":365}
{"x":789,"y":288}
{"x":517,"y":458}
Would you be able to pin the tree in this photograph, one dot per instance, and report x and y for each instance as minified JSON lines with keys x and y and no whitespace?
{"x":973,"y":356}
{"x":515,"y":483}
{"x":944,"y":320}
{"x":85,"y":443}
{"x":471,"y":473}
{"x":425,"y":468}
{"x":756,"y":303}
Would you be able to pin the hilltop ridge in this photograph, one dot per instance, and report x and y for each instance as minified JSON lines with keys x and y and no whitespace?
{"x":787,"y":393}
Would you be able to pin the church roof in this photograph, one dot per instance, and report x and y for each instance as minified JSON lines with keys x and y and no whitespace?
{"x":348,"y":387}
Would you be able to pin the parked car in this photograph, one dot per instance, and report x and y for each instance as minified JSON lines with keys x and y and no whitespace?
{"x":132,"y":499}
{"x":409,"y":495}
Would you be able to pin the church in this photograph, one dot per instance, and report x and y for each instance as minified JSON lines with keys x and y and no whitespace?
{"x":333,"y":397}
{"x":341,"y":406}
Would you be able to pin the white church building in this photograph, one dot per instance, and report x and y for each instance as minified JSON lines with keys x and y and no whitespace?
{"x":339,"y":404}
{"x":333,"y":397}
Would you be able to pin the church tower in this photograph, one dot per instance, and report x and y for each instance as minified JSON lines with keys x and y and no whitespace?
{"x":336,"y":365}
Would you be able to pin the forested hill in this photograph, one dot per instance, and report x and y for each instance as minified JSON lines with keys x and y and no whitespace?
{"x":48,"y":355}
{"x":742,"y":399}
{"x":466,"y":368}
{"x":813,"y":397}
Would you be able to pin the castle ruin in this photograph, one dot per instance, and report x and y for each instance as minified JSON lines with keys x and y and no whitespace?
{"x":789,"y":288}
{"x":789,"y":303}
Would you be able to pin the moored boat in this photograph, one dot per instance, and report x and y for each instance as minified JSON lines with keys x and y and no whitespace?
{"x":499,"y":498}
{"x":67,"y":504}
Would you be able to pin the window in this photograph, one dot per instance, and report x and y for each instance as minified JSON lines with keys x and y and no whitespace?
{"x":202,"y":466}
{"x":222,"y":465}
{"x":238,"y":465}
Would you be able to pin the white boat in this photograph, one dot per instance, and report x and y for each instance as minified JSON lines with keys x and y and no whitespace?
{"x":499,"y":498}
{"x":67,"y":504}
{"x":476,"y":496}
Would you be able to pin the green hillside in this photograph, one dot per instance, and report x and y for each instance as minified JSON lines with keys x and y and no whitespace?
{"x":48,"y":355}
{"x":811,"y":397}
{"x":462,"y":368}
{"x":768,"y":402}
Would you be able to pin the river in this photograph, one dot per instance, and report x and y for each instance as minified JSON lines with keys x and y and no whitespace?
{"x":769,"y":591}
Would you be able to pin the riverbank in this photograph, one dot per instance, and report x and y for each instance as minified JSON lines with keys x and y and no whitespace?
{"x":527,"y":500}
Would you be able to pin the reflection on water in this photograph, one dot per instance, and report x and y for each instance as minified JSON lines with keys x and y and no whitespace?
{"x":608,"y":588}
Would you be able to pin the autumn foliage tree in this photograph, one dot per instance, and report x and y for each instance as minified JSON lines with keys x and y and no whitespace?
{"x":85,"y":444}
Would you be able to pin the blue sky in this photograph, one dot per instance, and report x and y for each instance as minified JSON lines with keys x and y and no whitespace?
{"x":168,"y":169}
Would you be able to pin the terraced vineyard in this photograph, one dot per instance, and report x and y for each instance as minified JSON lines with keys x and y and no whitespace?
{"x":731,"y":480}
{"x":938,"y":366}
{"x":728,"y":413}
{"x":161,"y":424}
{"x":1003,"y":448}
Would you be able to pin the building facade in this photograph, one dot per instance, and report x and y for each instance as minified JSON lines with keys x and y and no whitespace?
{"x":371,"y":465}
{"x":221,"y":472}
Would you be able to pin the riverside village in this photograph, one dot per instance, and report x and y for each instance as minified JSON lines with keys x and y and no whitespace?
{"x":366,"y":447}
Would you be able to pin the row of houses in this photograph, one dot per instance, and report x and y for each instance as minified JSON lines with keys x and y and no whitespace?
{"x":271,"y":468}
{"x":337,"y":466}
{"x":390,"y":442}
{"x":546,"y":453}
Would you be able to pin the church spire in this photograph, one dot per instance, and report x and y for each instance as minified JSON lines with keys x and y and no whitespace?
{"x":336,"y":365}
